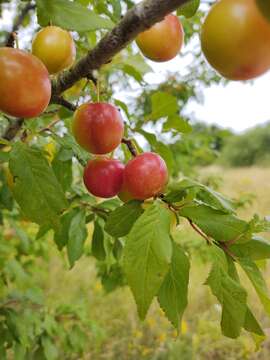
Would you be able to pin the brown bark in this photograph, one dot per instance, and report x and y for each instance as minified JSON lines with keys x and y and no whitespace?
{"x":136,"y":20}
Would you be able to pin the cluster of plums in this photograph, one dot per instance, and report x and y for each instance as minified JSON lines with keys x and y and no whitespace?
{"x":235,"y":39}
{"x":25,"y":86}
{"x":99,"y":129}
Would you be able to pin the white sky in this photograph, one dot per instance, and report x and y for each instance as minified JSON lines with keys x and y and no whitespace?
{"x":236,"y":105}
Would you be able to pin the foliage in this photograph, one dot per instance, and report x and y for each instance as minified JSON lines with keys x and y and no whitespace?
{"x":249,"y":148}
{"x":133,"y":244}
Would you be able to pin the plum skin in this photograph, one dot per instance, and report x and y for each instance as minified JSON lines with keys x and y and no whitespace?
{"x":25,"y":86}
{"x":55,"y":47}
{"x":235,"y":39}
{"x":103,"y":177}
{"x":145,"y":176}
{"x":98,"y":127}
{"x":163,"y":41}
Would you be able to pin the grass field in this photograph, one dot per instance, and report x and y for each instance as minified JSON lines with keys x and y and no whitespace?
{"x":117,"y":334}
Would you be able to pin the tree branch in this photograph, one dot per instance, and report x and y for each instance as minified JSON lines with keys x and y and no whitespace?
{"x":61,"y":101}
{"x":12,"y":130}
{"x":18,"y":22}
{"x":138,"y":19}
{"x":226,"y":249}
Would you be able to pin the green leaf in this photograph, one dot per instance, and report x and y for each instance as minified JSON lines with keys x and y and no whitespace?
{"x":257,"y":281}
{"x":42,"y":231}
{"x":25,"y":241}
{"x":113,"y":278}
{"x":165,"y":152}
{"x":205,"y":194}
{"x":147,"y":255}
{"x":77,"y":339}
{"x":70,"y":15}
{"x":39,"y":353}
{"x":69,"y":144}
{"x":177,"y":123}
{"x":159,"y":147}
{"x":214,"y":223}
{"x":3,"y":352}
{"x":6,"y":197}
{"x":4,"y":156}
{"x":251,"y":324}
{"x":117,"y":9}
{"x":98,"y":250}
{"x":229,"y":293}
{"x":122,"y":105}
{"x":63,"y":172}
{"x":13,"y":323}
{"x":189,"y":9}
{"x":36,"y":188}
{"x":50,"y":350}
{"x":19,"y":352}
{"x":163,"y":105}
{"x":255,"y":225}
{"x":76,"y":237}
{"x":61,"y":235}
{"x":103,"y":245}
{"x":172,"y":295}
{"x":121,"y":220}
{"x":131,"y":71}
{"x":135,"y":66}
{"x":138,"y":62}
{"x":256,"y":249}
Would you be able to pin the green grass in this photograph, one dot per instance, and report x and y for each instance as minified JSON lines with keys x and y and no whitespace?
{"x":116,"y":333}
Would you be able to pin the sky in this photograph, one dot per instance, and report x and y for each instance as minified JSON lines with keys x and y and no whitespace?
{"x":237,"y":105}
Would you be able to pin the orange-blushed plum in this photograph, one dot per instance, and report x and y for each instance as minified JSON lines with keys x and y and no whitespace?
{"x":235,"y":39}
{"x":55,"y":47}
{"x":145,"y":176}
{"x":103,"y":177}
{"x":98,"y":127}
{"x":25,"y":86}
{"x":163,"y":41}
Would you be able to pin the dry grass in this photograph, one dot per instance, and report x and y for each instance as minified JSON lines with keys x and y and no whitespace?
{"x":242,"y":181}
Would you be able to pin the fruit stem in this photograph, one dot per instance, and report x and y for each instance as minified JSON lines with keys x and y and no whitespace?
{"x":12,"y":40}
{"x":98,"y":91}
{"x":199,"y":231}
{"x":130,"y":146}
